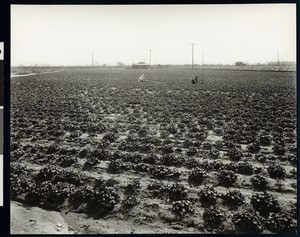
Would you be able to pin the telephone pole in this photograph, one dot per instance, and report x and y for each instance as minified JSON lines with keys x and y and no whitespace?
{"x":150,"y":57}
{"x":192,"y":55}
{"x":92,"y":58}
{"x":202,"y":59}
{"x":278,"y":58}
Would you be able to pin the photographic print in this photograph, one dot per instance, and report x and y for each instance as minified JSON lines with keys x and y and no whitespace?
{"x":153,"y":119}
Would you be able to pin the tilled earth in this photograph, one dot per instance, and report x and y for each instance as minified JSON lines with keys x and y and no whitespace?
{"x":163,"y":156}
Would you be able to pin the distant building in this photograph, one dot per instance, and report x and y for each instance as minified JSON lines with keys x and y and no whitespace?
{"x":140,"y":65}
{"x":240,"y":64}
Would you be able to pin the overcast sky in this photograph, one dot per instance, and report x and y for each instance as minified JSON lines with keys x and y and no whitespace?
{"x":67,"y":35}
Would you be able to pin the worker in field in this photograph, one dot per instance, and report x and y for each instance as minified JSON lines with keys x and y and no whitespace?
{"x":142,"y":78}
{"x":195,"y":80}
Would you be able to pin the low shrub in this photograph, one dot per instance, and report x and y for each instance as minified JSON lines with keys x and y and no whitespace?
{"x":244,"y":168}
{"x":167,"y":149}
{"x":260,"y":158}
{"x":208,"y":197}
{"x":227,"y":178}
{"x":213,"y":218}
{"x":83,"y":153}
{"x":247,"y":222}
{"x":151,"y":159}
{"x":279,"y":149}
{"x":81,"y":196}
{"x":233,"y":199}
{"x":214,"y":153}
{"x":102,"y":201}
{"x":133,"y":188}
{"x":111,"y":137}
{"x":66,"y":161}
{"x":46,"y":174}
{"x":176,"y":192}
{"x":48,"y":195}
{"x":276,"y":171}
{"x":253,"y":147}
{"x":265,"y":203}
{"x":235,"y":154}
{"x":172,"y":160}
{"x":129,"y":202}
{"x":265,"y":140}
{"x":18,"y":169}
{"x":70,"y":177}
{"x":197,"y":176}
{"x":281,"y":223}
{"x":52,"y":149}
{"x":182,"y":208}
{"x":19,"y":186}
{"x":192,"y":151}
{"x":118,"y":166}
{"x":157,"y":189}
{"x":259,"y":183}
{"x":162,"y":172}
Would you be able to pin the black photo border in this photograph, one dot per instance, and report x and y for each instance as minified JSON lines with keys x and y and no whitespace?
{"x":5,"y":28}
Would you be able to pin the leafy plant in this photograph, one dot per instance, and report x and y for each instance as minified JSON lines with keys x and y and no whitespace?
{"x":182,"y":208}
{"x":81,"y":196}
{"x":102,"y":201}
{"x":276,"y":171}
{"x":208,"y":197}
{"x":253,"y":147}
{"x":247,"y":222}
{"x":281,"y":223}
{"x":213,"y":218}
{"x":133,"y":187}
{"x":197,"y":176}
{"x":176,"y":192}
{"x":46,"y":174}
{"x":235,"y":154}
{"x":259,"y":183}
{"x":227,"y":178}
{"x":265,"y":203}
{"x":233,"y":199}
{"x":244,"y":168}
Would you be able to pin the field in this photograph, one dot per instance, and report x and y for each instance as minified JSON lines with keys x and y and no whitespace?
{"x":96,"y":151}
{"x":27,"y":71}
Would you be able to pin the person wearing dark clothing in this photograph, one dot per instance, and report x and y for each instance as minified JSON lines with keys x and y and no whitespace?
{"x":195,"y":80}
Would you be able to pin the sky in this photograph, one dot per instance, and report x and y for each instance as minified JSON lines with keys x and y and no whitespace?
{"x":223,"y":34}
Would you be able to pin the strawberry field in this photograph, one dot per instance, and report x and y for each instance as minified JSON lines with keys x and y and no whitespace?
{"x":161,"y":156}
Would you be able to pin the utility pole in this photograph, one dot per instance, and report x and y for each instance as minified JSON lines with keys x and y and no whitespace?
{"x":278,"y":58}
{"x":192,"y":55}
{"x":92,"y":58}
{"x":150,"y":57}
{"x":202,"y":59}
